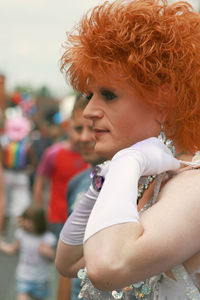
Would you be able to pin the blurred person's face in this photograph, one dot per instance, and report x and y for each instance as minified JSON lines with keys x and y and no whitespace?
{"x":82,"y":137}
{"x":44,"y":130}
{"x":55,"y":131}
{"x":27,"y":225}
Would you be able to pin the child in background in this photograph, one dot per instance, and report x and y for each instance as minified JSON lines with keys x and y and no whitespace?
{"x":36,"y":249}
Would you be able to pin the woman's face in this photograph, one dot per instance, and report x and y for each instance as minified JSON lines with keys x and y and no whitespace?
{"x":120,"y":117}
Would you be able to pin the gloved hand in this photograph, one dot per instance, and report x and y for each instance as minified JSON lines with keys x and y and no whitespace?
{"x":153,"y":156}
{"x":73,"y":231}
{"x":117,"y":200}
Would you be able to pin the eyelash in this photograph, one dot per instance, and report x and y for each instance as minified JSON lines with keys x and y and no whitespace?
{"x":108,"y":95}
{"x":89,"y":97}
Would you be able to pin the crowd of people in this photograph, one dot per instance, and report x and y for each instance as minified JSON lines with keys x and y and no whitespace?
{"x":43,"y":196}
{"x":122,"y":214}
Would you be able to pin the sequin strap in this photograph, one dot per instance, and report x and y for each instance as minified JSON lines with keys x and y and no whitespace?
{"x":195,"y":163}
{"x":181,"y":275}
{"x":157,"y":187}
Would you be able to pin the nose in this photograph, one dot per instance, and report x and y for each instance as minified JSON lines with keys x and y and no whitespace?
{"x":87,"y":135}
{"x":93,"y":110}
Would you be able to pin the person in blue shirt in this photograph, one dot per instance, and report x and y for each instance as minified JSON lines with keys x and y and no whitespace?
{"x":79,"y":184}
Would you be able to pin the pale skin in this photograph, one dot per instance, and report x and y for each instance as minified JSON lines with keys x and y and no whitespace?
{"x":166,"y":236}
{"x":167,"y":239}
{"x":168,"y":232}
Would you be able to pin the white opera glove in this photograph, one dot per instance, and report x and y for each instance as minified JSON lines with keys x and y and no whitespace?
{"x":117,"y":200}
{"x":73,"y":230}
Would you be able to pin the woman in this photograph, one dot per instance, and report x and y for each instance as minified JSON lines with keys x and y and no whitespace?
{"x":139,"y":63}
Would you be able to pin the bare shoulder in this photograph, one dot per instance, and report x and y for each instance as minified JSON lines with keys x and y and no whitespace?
{"x":184,"y":187}
{"x":188,"y":177}
{"x":178,"y":206}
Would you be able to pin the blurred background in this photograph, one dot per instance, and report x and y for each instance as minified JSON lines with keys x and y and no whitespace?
{"x":31,"y":36}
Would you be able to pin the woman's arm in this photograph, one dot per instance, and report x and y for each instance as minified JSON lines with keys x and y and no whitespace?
{"x":69,"y":255}
{"x":167,"y":235}
{"x":193,"y":264}
{"x":69,"y":251}
{"x":69,"y":259}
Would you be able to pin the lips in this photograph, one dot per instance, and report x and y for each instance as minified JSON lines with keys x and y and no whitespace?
{"x":99,"y":132}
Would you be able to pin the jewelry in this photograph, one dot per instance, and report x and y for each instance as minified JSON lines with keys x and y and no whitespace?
{"x":195,"y":163}
{"x":143,"y":187}
{"x":143,"y":289}
{"x":169,"y":143}
{"x":97,"y":177}
{"x":98,"y":180}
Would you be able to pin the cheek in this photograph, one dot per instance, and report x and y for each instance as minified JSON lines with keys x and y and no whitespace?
{"x":132,"y":130}
{"x":126,"y":125}
{"x":76,"y":137}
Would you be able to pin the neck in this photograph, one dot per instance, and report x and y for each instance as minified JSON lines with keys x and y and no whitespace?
{"x":181,"y":153}
{"x":185,"y":156}
{"x":98,"y":161}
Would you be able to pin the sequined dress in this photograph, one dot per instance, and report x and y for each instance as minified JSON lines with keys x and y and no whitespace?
{"x":159,"y":287}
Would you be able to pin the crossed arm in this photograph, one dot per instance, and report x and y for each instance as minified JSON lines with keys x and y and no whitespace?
{"x":121,"y":247}
{"x":167,"y":235}
{"x":69,"y":259}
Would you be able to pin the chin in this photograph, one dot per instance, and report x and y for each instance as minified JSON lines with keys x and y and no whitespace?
{"x":105,"y":152}
{"x":86,"y":157}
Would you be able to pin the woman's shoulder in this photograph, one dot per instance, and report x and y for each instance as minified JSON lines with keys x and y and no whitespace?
{"x":185,"y":174}
{"x":185,"y":185}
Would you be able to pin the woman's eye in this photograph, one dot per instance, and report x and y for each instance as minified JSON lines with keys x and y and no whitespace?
{"x":89,"y":97}
{"x":108,"y":95}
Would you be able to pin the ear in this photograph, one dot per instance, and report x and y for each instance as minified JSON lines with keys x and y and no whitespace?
{"x":167,"y":97}
{"x":161,"y":115}
{"x":65,"y":124}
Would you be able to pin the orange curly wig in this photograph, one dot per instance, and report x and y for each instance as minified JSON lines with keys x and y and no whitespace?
{"x":156,"y":47}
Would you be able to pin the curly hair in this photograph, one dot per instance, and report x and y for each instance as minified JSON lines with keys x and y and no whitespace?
{"x":156,"y":47}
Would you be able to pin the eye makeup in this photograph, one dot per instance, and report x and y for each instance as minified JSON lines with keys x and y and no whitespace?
{"x":107,"y":94}
{"x":89,"y":97}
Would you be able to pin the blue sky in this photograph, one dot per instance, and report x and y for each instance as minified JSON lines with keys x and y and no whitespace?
{"x":31,"y":35}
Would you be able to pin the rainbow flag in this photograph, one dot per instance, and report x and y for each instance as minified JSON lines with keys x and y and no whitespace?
{"x":15,"y":155}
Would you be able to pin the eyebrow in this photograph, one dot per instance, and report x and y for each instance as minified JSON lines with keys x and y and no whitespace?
{"x":111,"y":89}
